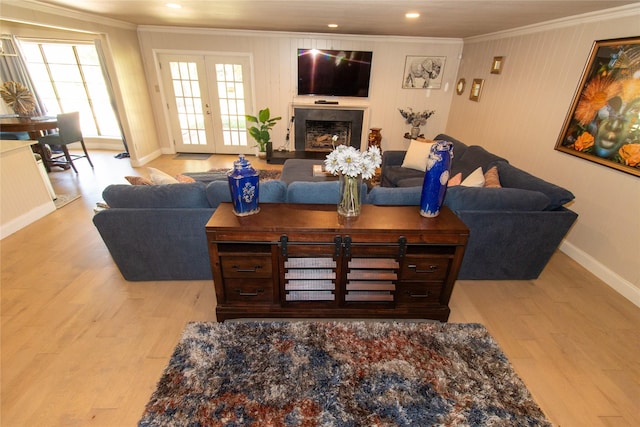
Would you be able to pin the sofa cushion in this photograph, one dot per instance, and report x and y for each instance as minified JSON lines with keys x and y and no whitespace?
{"x":138,"y":180}
{"x":190,"y":195}
{"x":491,"y":178}
{"x":417,"y":155}
{"x":158,"y":177}
{"x":475,"y":179}
{"x":511,"y":176}
{"x":272,"y":191}
{"x":327,"y":192}
{"x":395,"y":196}
{"x":461,"y":198}
{"x":473,"y":157}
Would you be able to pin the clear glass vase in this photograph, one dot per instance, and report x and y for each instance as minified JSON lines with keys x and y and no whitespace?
{"x":349,"y":204}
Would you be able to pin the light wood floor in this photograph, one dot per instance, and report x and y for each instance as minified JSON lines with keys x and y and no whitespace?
{"x":82,"y":346}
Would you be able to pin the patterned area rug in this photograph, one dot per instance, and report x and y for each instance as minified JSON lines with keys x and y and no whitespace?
{"x":339,"y":374}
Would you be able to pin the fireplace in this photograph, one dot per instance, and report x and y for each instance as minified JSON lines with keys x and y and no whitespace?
{"x":315,"y":128}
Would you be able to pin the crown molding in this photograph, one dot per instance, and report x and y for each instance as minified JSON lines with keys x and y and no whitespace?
{"x":302,"y":36}
{"x":617,"y":12}
{"x":31,"y":6}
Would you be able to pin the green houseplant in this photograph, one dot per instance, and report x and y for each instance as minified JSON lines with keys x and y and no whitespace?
{"x":261,"y":134}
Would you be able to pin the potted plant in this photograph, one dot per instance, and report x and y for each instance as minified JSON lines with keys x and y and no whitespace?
{"x":261,"y":134}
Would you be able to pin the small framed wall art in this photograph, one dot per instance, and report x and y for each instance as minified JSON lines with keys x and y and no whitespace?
{"x":602,"y":124}
{"x":460,"y":86}
{"x":496,"y":65}
{"x":476,"y":89}
{"x":423,"y":72}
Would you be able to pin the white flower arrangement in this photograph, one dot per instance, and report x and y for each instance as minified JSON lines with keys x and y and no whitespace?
{"x":352,"y":162}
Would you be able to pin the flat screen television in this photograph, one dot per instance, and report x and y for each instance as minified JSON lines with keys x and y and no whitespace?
{"x":334,"y":72}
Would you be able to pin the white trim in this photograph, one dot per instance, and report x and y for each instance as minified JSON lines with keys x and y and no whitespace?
{"x":67,"y":13}
{"x":611,"y":278}
{"x":598,"y":16}
{"x":146,"y":159}
{"x":302,"y":36}
{"x":27,"y":218}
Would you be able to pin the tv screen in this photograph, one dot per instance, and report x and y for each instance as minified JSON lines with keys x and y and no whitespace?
{"x":334,"y":72}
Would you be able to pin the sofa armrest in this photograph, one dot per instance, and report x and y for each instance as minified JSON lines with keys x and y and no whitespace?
{"x":157,"y":244}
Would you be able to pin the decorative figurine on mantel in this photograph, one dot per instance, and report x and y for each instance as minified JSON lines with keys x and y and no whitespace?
{"x":415,"y":119}
{"x":375,"y":138}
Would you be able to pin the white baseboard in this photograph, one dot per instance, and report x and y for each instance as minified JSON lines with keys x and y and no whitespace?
{"x":27,"y":218}
{"x":615,"y":281}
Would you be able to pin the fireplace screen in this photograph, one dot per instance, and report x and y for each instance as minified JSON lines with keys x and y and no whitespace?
{"x":319,"y":134}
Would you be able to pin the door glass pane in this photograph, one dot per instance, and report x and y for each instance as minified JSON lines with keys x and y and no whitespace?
{"x":188,"y":101}
{"x":231,"y":102}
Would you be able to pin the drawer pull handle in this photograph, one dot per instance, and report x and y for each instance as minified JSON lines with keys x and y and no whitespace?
{"x":249,"y":294}
{"x":425,"y":295}
{"x":245,"y":270}
{"x":432,"y":268}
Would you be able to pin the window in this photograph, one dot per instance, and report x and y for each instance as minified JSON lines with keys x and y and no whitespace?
{"x":231,"y":98}
{"x":68,"y":77}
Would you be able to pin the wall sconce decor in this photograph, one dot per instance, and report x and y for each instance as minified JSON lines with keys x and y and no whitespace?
{"x":460,"y":86}
{"x":476,"y":89}
{"x":496,"y":66}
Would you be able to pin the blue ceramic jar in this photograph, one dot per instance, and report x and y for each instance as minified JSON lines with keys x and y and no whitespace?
{"x":436,"y":178}
{"x":243,"y":184}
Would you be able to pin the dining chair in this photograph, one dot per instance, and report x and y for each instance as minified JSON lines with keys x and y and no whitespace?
{"x":68,"y":132}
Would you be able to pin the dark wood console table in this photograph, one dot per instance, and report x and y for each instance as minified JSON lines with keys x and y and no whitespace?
{"x":294,"y":260}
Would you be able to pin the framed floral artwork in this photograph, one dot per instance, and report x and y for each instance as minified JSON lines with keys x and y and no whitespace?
{"x":423,"y":72}
{"x":603,"y":123}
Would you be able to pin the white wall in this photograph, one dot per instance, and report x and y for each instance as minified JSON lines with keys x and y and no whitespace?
{"x":275,"y":68}
{"x":520,"y":115}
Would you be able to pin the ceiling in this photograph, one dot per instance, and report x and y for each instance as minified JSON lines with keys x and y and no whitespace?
{"x":438,"y":18}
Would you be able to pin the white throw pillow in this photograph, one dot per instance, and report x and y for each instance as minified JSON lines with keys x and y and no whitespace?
{"x":417,"y":155}
{"x":158,"y":177}
{"x":476,"y":179}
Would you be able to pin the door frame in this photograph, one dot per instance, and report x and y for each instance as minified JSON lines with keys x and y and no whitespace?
{"x":159,"y":87}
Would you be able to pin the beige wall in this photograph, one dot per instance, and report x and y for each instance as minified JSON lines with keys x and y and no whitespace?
{"x":520,"y":115}
{"x":275,"y":68}
{"x":120,"y":42}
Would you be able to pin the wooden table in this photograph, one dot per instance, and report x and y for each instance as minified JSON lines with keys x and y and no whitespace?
{"x":296,"y":260}
{"x":35,"y":128}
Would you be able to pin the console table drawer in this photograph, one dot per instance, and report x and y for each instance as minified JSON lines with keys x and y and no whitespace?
{"x":246,"y":266}
{"x":414,"y":268}
{"x":242,"y":290}
{"x":418,"y":293}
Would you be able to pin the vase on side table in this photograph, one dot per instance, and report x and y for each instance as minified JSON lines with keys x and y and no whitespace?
{"x":349,"y":202}
{"x":243,"y":184}
{"x":436,"y":178}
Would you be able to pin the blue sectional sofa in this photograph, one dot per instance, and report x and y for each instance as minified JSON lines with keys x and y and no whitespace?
{"x":158,"y":232}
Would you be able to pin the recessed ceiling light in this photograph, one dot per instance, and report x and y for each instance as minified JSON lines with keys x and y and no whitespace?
{"x":173,"y":6}
{"x":412,"y":15}
{"x":332,"y":25}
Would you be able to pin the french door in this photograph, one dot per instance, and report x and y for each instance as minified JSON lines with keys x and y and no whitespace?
{"x":207,"y":97}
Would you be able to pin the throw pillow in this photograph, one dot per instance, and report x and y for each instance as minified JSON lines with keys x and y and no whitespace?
{"x":138,"y":180}
{"x":184,"y":179}
{"x":417,"y":155}
{"x":159,"y":177}
{"x":491,"y":178}
{"x":476,"y":179}
{"x":455,"y":180}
